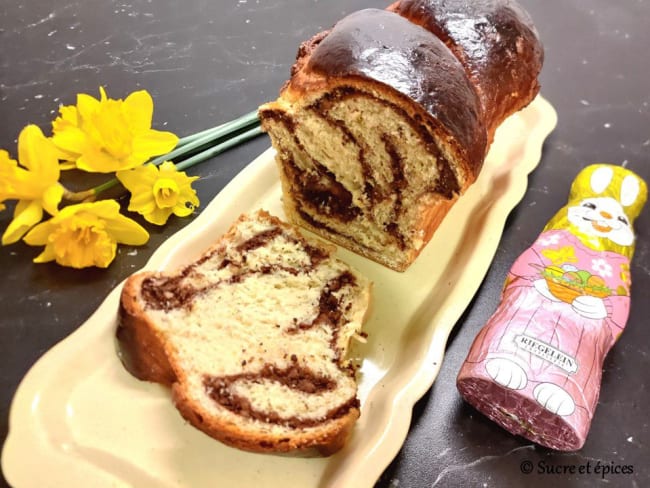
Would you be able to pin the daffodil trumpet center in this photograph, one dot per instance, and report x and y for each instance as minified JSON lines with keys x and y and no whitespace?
{"x":166,"y":192}
{"x":83,"y":242}
{"x":110,"y":129}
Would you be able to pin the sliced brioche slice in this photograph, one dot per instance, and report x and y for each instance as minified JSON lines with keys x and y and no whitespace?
{"x":252,"y":337}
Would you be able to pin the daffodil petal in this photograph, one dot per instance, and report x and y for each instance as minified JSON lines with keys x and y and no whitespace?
{"x":5,"y":159}
{"x":142,"y":203}
{"x":37,"y":153}
{"x":66,"y":165}
{"x":86,"y":105}
{"x":158,"y":216}
{"x":46,"y":256}
{"x":39,"y":234}
{"x":71,"y":140}
{"x":192,"y":179}
{"x":52,"y":197}
{"x":26,"y":214}
{"x":142,"y":177}
{"x":182,"y":210}
{"x":28,"y":147}
{"x":167,"y":167}
{"x":127,"y":231}
{"x":22,"y":185}
{"x":189,"y":194}
{"x":139,"y":190}
{"x":102,"y":208}
{"x":97,"y":161}
{"x":139,"y":182}
{"x":8,"y":168}
{"x":139,"y":110}
{"x":105,"y":259}
{"x":66,"y":158}
{"x":154,"y":143}
{"x":69,"y":114}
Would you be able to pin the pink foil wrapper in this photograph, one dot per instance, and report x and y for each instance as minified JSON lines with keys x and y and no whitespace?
{"x":535,"y":368}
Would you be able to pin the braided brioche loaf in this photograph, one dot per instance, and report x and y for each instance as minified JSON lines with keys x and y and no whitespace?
{"x":387,"y":117}
{"x":252,"y":337}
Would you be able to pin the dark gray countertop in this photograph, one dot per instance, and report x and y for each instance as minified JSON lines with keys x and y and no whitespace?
{"x":208,"y":62}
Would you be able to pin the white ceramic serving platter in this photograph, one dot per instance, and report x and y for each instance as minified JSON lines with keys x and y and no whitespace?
{"x":79,"y":419}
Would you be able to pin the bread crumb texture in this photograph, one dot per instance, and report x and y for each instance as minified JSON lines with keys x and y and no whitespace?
{"x":257,"y":332}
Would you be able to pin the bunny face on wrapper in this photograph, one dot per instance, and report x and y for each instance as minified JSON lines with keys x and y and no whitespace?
{"x":603,"y":203}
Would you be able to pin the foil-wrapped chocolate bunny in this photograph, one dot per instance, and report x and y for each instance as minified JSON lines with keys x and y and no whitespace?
{"x":535,"y":368}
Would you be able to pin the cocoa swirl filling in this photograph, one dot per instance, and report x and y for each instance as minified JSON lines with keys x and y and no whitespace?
{"x":328,"y":195}
{"x":259,"y":240}
{"x":167,"y":293}
{"x":318,"y":192}
{"x":399,"y":185}
{"x":371,"y":187}
{"x":329,"y":310}
{"x":294,"y":376}
{"x":172,"y":292}
{"x":447,"y":184}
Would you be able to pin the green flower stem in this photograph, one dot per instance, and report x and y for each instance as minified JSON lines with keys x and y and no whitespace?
{"x":105,"y":186}
{"x":193,"y":137}
{"x":189,"y":162}
{"x":219,"y":148}
{"x":217,"y":133}
{"x":236,"y":124}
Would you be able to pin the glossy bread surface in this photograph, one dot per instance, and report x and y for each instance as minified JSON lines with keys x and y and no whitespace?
{"x":381,"y":46}
{"x":496,"y":41}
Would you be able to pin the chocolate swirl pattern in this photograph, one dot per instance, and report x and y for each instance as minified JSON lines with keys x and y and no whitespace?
{"x":387,"y":118}
{"x":252,"y":337}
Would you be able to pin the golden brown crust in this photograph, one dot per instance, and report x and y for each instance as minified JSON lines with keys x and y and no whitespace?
{"x":141,"y":349}
{"x":432,"y":216}
{"x":496,"y":42}
{"x":324,"y":440}
{"x":407,"y":64}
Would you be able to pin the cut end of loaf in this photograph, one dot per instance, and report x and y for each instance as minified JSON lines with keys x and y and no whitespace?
{"x":377,"y":133}
{"x":361,"y":171}
{"x":256,"y":332}
{"x":388,"y":116}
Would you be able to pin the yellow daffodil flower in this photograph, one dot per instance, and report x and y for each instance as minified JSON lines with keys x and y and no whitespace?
{"x":34,"y":183}
{"x":6,"y":170}
{"x":109,"y":135}
{"x":157,"y":192}
{"x":85,"y":234}
{"x":67,"y":120}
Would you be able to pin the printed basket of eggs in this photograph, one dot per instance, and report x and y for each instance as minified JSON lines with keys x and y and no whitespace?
{"x":567,"y":285}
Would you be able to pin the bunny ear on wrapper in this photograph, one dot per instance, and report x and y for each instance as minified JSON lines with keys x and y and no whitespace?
{"x":609,"y":180}
{"x":604,"y":181}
